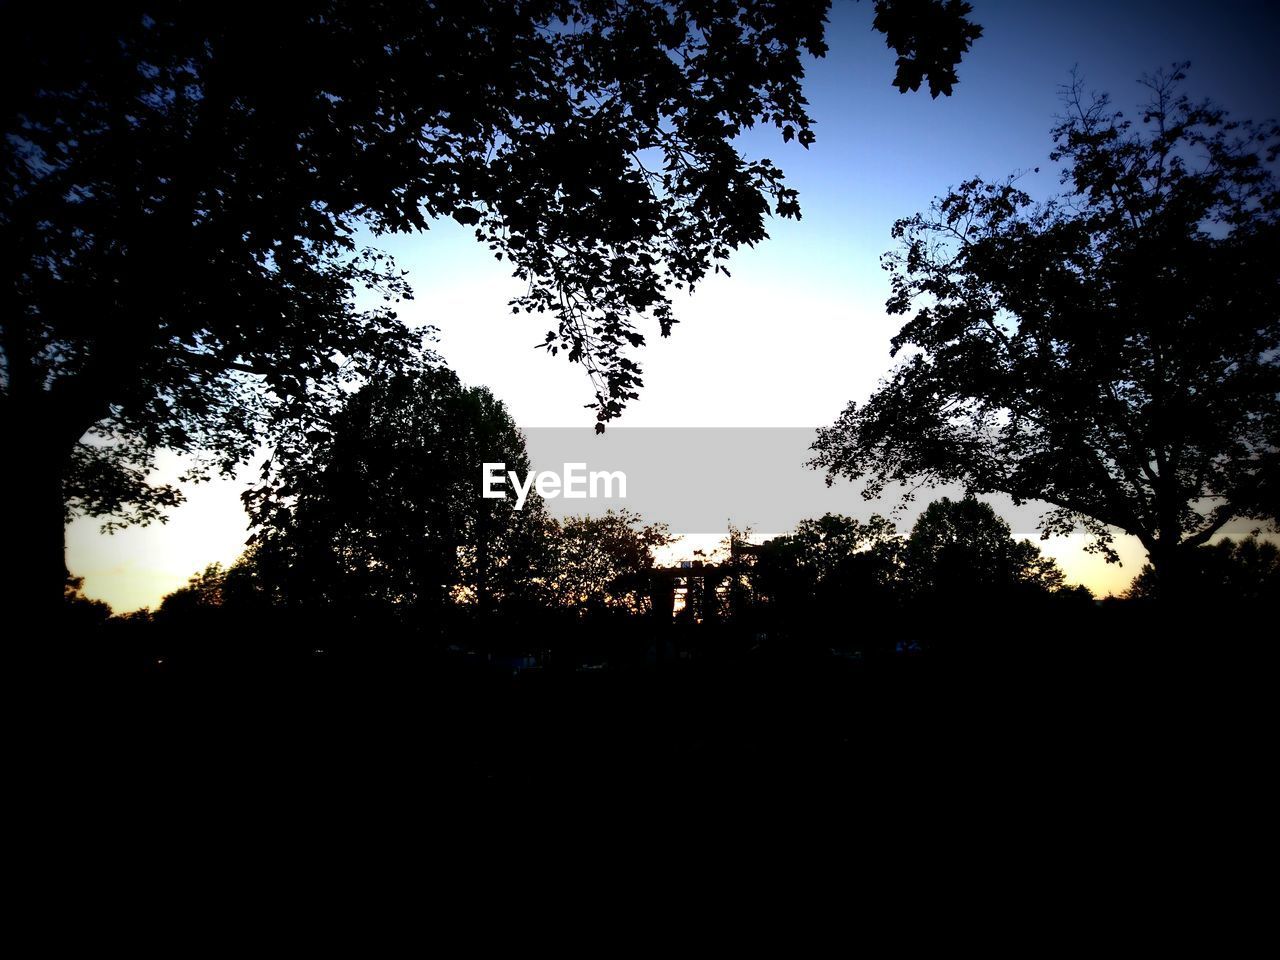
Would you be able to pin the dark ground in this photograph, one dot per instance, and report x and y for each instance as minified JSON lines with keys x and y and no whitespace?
{"x":1131,"y":704}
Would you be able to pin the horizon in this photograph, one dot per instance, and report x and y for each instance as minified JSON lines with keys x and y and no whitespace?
{"x":878,"y":155}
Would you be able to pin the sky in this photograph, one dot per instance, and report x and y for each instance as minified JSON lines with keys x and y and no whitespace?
{"x":799,"y":328}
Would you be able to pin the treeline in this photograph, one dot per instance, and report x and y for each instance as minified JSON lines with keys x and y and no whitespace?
{"x":382,"y":538}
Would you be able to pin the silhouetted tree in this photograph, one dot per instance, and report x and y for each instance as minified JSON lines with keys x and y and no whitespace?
{"x":829,"y":583}
{"x":203,"y":592}
{"x":83,"y":612}
{"x":183,"y":183}
{"x":597,"y":563}
{"x":386,"y":514}
{"x":1229,"y":571}
{"x":962,"y":550}
{"x":254,"y":583}
{"x":739,"y":557}
{"x":1114,"y":351}
{"x":834,"y":563}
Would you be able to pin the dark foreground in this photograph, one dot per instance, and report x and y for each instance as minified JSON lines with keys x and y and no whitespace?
{"x":1077,"y":716}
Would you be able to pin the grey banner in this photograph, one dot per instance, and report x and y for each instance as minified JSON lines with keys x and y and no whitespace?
{"x":699,"y":480}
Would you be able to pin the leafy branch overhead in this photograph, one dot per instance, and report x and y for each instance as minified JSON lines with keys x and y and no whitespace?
{"x":184,"y":186}
{"x":630,"y":187}
{"x":930,"y":37}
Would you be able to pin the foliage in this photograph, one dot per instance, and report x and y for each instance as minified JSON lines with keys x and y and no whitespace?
{"x":1114,"y":351}
{"x":1245,"y":570}
{"x":385,"y":511}
{"x":962,"y":548}
{"x":929,"y":37}
{"x":186,"y":187}
{"x":204,"y":591}
{"x":81,"y":612}
{"x":833,"y":561}
{"x":597,"y":563}
{"x":184,"y":183}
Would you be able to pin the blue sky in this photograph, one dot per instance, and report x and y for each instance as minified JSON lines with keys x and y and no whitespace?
{"x":799,"y":328}
{"x":809,"y":301}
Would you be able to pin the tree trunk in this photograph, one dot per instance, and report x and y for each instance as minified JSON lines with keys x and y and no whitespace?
{"x":38,"y":440}
{"x":1169,"y":561}
{"x":35,"y":577}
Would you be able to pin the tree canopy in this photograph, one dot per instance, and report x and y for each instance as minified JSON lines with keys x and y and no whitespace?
{"x":1226,"y":572}
{"x":384,"y":513}
{"x":963,"y":549}
{"x":1114,"y":351}
{"x":830,"y":562}
{"x":597,"y":564}
{"x":186,"y":186}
